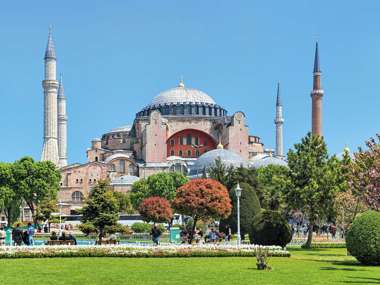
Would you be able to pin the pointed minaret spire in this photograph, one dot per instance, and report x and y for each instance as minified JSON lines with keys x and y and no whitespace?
{"x":316,"y":59}
{"x":278,"y":99}
{"x":279,"y":121}
{"x":50,"y":49}
{"x":61,"y":90}
{"x":316,"y":97}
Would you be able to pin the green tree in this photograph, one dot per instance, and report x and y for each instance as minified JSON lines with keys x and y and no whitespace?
{"x":124,"y":202}
{"x":314,"y":180}
{"x":36,"y":182}
{"x":249,"y":207}
{"x":274,"y":181}
{"x":101,"y":209}
{"x":10,"y":200}
{"x":162,"y":185}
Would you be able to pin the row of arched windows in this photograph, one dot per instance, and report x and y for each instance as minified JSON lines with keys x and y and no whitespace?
{"x":186,"y":109}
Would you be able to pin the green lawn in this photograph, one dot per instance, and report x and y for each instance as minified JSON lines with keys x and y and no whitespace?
{"x":319,"y":266}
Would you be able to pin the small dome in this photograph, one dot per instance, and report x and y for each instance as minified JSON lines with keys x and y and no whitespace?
{"x":268,"y":160}
{"x":181,"y":94}
{"x":208,"y":159}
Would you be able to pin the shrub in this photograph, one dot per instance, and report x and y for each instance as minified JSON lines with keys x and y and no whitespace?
{"x":87,"y":228}
{"x":363,"y":238}
{"x":270,"y":228}
{"x":141,"y":227}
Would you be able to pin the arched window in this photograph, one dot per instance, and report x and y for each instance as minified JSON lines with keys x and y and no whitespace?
{"x":172,"y":152}
{"x":180,"y":153}
{"x":77,"y":196}
{"x":189,"y":153}
{"x":188,"y":139}
{"x":96,"y":158}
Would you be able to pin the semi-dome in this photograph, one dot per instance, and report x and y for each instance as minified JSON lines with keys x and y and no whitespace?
{"x":181,"y":94}
{"x":207,"y":160}
{"x":268,"y":160}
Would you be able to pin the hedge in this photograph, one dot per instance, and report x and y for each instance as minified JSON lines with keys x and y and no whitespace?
{"x":136,"y":251}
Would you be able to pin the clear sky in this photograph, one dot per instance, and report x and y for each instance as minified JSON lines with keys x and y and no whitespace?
{"x":117,"y":55}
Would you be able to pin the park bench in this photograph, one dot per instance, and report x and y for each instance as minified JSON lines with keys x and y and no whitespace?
{"x":60,"y":242}
{"x":107,"y":242}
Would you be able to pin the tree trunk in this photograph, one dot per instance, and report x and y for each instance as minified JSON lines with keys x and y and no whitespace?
{"x":309,"y":235}
{"x":195,"y":220}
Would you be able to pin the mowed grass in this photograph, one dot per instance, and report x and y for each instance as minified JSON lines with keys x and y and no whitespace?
{"x":318,"y":266}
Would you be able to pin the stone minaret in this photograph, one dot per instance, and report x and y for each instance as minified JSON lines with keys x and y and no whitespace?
{"x":50,"y":85}
{"x":279,"y":121}
{"x":316,"y":97}
{"x":62,"y":125}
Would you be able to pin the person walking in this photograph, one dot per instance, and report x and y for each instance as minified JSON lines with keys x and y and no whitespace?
{"x":17,"y":235}
{"x":30,"y":232}
{"x":156,"y":233}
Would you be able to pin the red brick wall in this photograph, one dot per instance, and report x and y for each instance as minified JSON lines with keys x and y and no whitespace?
{"x":175,"y":147}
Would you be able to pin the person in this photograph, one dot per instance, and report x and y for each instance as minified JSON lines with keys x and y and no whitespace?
{"x":53,"y":236}
{"x":63,"y":236}
{"x":72,"y":238}
{"x":156,"y":233}
{"x":2,"y":236}
{"x":25,"y":237}
{"x":184,"y":236}
{"x":30,"y":232}
{"x":17,"y":235}
{"x":333,"y":230}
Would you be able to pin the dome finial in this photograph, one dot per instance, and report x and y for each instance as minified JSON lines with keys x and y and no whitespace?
{"x":181,"y":83}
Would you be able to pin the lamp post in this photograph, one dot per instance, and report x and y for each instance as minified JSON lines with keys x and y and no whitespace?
{"x":238,"y":194}
{"x":60,"y":204}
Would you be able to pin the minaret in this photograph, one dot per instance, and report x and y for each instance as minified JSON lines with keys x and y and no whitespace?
{"x":50,"y":85}
{"x":279,"y":121}
{"x":316,"y":97}
{"x":62,"y":125}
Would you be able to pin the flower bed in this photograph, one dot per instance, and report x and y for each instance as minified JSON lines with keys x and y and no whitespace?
{"x":138,"y":251}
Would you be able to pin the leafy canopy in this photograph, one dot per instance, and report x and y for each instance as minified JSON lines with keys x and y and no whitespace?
{"x":160,"y":185}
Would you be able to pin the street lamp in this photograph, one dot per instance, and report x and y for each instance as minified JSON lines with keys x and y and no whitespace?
{"x":238,"y":194}
{"x":60,"y":204}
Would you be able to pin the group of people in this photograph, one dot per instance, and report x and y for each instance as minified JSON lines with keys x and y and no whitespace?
{"x":212,"y":236}
{"x":63,"y":237}
{"x":20,"y":236}
{"x":302,"y":229}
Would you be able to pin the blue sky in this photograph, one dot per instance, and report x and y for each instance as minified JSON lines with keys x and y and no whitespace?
{"x":117,"y":55}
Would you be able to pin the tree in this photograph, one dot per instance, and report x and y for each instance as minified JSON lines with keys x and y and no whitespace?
{"x":249,"y":207}
{"x":36,"y":182}
{"x":274,"y":181}
{"x":161,"y":184}
{"x":124,"y":202}
{"x":156,"y":209}
{"x":346,"y":207}
{"x":230,"y":176}
{"x":364,"y":174}
{"x":202,"y":199}
{"x":314,"y":180}
{"x":10,"y":200}
{"x":101,"y":209}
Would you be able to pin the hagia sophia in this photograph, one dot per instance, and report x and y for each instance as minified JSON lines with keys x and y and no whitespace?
{"x":182,"y":129}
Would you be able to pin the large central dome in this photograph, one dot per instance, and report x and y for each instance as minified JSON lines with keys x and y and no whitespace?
{"x":181,"y":94}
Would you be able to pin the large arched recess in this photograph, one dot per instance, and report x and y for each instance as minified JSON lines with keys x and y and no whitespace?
{"x":189,"y":143}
